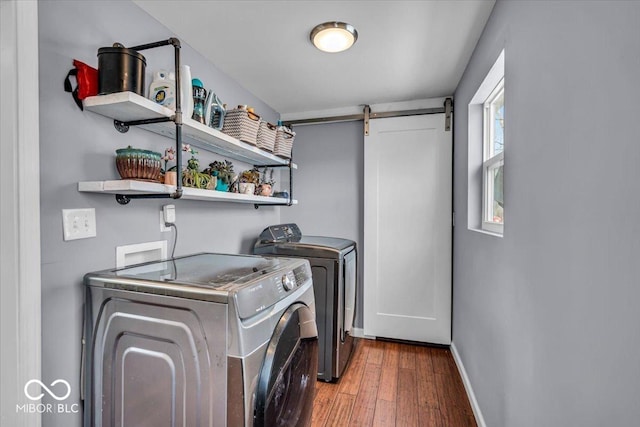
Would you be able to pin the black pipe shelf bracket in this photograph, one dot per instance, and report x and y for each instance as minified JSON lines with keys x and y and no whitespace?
{"x":123,"y":127}
{"x":289,"y":202}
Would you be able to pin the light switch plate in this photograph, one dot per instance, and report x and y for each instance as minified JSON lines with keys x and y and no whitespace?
{"x":78,"y":223}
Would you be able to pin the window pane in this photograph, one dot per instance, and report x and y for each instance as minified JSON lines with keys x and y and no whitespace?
{"x":497,"y":114}
{"x":496,"y":201}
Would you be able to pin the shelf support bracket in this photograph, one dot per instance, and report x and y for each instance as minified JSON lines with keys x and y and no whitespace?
{"x":121,"y":127}
{"x":290,"y":200}
{"x":122,"y":199}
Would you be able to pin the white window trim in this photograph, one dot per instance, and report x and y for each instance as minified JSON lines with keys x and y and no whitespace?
{"x":476,"y":151}
{"x":489,"y":161}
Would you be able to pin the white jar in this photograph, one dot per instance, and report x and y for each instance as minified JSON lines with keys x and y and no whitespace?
{"x":186,"y":92}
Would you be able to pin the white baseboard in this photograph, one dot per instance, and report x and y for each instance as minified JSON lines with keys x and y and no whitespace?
{"x":359,"y":333}
{"x":467,"y":386}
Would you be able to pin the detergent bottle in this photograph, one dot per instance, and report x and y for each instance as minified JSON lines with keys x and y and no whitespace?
{"x":199,"y":97}
{"x":163,"y":89}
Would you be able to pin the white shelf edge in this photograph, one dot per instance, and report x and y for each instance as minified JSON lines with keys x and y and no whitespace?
{"x":128,"y":106}
{"x":122,"y":105}
{"x":132,"y":187}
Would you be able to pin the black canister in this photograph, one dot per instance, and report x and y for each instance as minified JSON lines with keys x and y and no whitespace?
{"x":120,"y":70}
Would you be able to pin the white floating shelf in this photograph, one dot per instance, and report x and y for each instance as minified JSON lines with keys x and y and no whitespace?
{"x":132,"y":187}
{"x":129,"y":106}
{"x":126,"y":106}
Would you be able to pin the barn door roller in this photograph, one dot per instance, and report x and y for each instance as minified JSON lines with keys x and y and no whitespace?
{"x":448,"y":105}
{"x":367,"y":113}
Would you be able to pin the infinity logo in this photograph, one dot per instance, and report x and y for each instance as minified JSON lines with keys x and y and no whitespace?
{"x":56,"y":397}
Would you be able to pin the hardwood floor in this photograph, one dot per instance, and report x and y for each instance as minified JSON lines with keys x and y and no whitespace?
{"x":395,"y":384}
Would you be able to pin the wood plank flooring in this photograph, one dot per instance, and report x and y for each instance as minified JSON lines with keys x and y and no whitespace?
{"x":395,"y":384}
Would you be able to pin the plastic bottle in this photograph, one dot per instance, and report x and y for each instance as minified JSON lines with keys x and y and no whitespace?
{"x":199,"y":98}
{"x":163,"y":89}
{"x":186,"y":93}
{"x":214,"y":111}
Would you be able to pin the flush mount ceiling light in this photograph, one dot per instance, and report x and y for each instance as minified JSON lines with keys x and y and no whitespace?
{"x":333,"y":36}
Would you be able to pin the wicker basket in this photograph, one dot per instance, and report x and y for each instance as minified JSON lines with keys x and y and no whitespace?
{"x":242,"y":124}
{"x":284,"y":142}
{"x":266,"y":136}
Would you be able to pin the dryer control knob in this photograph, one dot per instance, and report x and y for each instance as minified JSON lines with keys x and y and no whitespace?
{"x":288,"y":283}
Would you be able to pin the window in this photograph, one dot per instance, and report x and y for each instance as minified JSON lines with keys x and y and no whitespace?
{"x":493,"y":161}
{"x":485,"y":197}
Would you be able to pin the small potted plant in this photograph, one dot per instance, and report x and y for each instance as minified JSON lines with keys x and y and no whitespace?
{"x":223,"y":171}
{"x":266,"y":183}
{"x":249,"y":179}
{"x":170,"y":175}
{"x":191,"y":176}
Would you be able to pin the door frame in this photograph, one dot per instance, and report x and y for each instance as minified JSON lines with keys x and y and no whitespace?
{"x":20,"y":207}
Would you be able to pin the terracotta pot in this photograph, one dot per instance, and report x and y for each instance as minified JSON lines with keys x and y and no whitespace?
{"x":171,"y":178}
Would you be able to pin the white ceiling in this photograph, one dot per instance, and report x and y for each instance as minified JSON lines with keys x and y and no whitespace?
{"x":406,"y":50}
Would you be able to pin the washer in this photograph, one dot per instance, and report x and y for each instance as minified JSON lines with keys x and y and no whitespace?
{"x":201,"y":340}
{"x":334,"y":268}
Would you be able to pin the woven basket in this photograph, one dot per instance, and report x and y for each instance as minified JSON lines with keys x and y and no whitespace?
{"x":284,"y":142}
{"x":242,"y":125}
{"x":266,"y":136}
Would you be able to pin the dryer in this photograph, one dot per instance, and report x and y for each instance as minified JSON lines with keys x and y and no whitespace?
{"x":334,"y":268}
{"x":201,"y":340}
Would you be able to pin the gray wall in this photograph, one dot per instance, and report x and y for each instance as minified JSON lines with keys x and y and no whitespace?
{"x":78,"y":146}
{"x":546,"y":318}
{"x":329,"y":186}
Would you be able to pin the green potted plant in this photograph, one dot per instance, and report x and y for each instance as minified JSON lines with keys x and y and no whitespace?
{"x":223,"y":171}
{"x":191,"y":176}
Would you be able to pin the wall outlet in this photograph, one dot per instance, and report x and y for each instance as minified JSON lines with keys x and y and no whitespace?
{"x":78,"y":223}
{"x":169,"y":213}
{"x":167,"y":216}
{"x":163,"y":228}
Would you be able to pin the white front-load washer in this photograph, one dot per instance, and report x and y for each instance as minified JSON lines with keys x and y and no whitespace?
{"x":201,"y":340}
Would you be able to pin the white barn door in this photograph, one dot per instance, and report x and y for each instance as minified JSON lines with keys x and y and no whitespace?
{"x":407,"y":229}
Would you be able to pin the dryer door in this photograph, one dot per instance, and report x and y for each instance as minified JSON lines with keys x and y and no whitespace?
{"x":286,"y":385}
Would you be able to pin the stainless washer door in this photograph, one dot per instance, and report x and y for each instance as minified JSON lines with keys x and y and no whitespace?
{"x":286,"y":385}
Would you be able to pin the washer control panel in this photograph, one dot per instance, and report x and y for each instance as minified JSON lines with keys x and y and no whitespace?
{"x":281,"y":233}
{"x":288,"y":281}
{"x":261,"y":295}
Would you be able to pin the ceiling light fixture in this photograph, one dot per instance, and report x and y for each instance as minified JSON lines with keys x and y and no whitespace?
{"x":333,"y":36}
